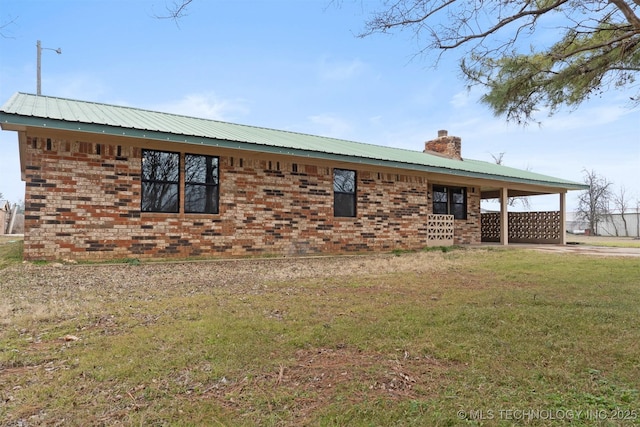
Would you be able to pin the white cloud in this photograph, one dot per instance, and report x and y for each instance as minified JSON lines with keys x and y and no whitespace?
{"x":460,"y":99}
{"x":375,"y":120}
{"x":83,"y":86}
{"x":340,"y":70}
{"x":331,"y":125}
{"x":206,"y":105}
{"x":588,"y":117}
{"x":468,"y":97}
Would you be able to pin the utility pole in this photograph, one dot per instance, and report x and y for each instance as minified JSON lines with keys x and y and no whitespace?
{"x":39,"y":61}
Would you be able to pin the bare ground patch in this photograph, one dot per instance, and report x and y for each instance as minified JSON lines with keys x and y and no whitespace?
{"x":109,"y":300}
{"x":58,"y":291}
{"x":316,"y":377}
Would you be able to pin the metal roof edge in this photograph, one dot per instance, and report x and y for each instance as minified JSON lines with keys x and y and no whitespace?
{"x":542,"y":177}
{"x":93,"y":128}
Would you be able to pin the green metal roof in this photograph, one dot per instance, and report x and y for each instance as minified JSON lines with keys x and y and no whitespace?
{"x":72,"y":115}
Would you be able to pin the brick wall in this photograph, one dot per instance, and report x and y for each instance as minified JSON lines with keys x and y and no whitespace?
{"x":83,"y":202}
{"x":467,"y":231}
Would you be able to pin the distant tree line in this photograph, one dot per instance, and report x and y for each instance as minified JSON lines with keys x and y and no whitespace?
{"x":599,"y":203}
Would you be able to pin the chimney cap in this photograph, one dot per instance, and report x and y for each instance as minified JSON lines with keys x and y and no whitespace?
{"x":442,"y":133}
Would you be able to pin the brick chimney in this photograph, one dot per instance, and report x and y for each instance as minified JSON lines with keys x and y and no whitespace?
{"x":445,"y":145}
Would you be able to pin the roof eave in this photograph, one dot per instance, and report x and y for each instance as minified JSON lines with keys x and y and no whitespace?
{"x":15,"y":120}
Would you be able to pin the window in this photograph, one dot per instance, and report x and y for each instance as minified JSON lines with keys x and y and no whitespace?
{"x":451,"y":201}
{"x":160,"y":181}
{"x":200,"y":184}
{"x":458,"y":203}
{"x":440,"y":200}
{"x":344,"y":193}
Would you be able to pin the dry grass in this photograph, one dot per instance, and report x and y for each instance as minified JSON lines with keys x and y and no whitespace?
{"x":407,"y":339}
{"x":606,"y":241}
{"x":10,"y":250}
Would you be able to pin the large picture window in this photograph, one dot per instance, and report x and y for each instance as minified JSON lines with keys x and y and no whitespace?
{"x":160,"y":181}
{"x":344,"y":193}
{"x":200,"y":184}
{"x":450,"y":201}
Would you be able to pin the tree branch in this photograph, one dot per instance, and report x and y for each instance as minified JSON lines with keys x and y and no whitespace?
{"x":503,"y":23}
{"x":178,"y":10}
{"x":628,"y":12}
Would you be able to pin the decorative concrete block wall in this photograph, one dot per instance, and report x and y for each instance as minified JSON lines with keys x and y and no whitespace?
{"x":83,"y":203}
{"x":524,"y":227}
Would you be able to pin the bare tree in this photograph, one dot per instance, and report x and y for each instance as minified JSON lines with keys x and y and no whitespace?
{"x":621,"y":203}
{"x":512,"y":201}
{"x":593,"y":203}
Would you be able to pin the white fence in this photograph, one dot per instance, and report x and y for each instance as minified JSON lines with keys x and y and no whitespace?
{"x":614,"y":225}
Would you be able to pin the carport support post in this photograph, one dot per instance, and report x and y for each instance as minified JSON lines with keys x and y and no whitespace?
{"x":563,"y":218}
{"x":504,"y":216}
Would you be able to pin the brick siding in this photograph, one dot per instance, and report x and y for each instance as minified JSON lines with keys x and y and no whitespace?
{"x":83,"y":203}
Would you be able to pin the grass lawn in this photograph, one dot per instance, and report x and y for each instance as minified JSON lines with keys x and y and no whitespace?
{"x":477,"y":337}
{"x":606,"y":241}
{"x":10,"y":251}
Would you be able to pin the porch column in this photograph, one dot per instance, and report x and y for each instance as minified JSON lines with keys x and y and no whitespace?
{"x":563,"y":218}
{"x":504,"y":217}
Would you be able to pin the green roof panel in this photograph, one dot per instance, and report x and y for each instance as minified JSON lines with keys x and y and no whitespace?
{"x":68,"y":114}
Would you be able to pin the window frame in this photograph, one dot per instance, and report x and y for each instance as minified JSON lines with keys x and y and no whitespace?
{"x":449,"y":201}
{"x":145,"y":182}
{"x":338,"y":205}
{"x":215,"y":208}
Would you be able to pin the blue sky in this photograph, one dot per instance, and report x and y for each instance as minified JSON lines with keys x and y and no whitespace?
{"x":293,"y":65}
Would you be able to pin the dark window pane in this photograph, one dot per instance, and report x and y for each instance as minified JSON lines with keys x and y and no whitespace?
{"x":440,"y":197}
{"x":201,"y":198}
{"x":159,"y":197}
{"x":344,"y":192}
{"x":344,"y":181}
{"x":440,"y":200}
{"x":201,"y":169}
{"x":160,"y":177}
{"x":160,"y":166}
{"x":440,"y":208}
{"x":344,"y":204}
{"x":459,"y":211}
{"x":201,"y":184}
{"x":450,"y":201}
{"x":459,"y":204}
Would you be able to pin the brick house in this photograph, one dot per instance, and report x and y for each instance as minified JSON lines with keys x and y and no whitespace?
{"x":109,"y":182}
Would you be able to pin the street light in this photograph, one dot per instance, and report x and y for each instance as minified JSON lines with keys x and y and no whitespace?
{"x":40,"y":48}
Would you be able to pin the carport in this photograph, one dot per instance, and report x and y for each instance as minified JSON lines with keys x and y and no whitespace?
{"x":542,"y":227}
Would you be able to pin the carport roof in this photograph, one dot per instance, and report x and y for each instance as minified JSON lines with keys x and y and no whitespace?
{"x":29,"y":110}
